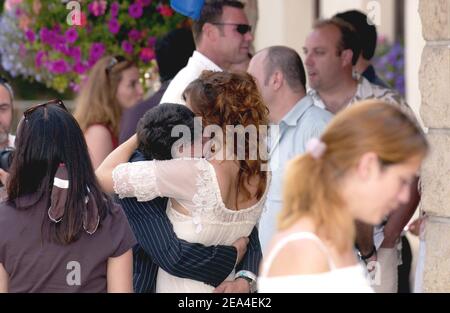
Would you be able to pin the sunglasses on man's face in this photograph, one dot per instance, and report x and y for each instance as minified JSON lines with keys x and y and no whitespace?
{"x":240,"y":28}
{"x":56,"y":102}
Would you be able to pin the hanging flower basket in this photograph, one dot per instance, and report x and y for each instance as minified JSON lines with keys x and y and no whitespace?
{"x":57,"y":42}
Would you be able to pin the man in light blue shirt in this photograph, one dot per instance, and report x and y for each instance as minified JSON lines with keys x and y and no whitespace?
{"x":281,"y":78}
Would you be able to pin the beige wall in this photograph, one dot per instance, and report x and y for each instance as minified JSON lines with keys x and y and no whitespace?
{"x":414,"y":46}
{"x":284,"y":22}
{"x":384,"y":21}
{"x":288,"y":22}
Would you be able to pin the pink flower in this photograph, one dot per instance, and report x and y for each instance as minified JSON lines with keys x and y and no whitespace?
{"x":96,"y":51}
{"x":71,"y":35}
{"x":59,"y":67}
{"x":75,"y":87}
{"x":38,"y":60}
{"x":135,"y":10}
{"x":147,"y":54}
{"x":151,"y":41}
{"x":164,"y":10}
{"x":127,"y":47}
{"x":75,"y":53}
{"x":98,"y":7}
{"x":22,"y":50}
{"x":115,"y":9}
{"x":80,"y":68}
{"x":30,"y":36}
{"x":134,"y":35}
{"x":113,"y":26}
{"x":46,"y":35}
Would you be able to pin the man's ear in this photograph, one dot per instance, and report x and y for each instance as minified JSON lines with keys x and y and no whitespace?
{"x":276,"y":80}
{"x":210,"y":31}
{"x":347,"y":57}
{"x":368,"y":166}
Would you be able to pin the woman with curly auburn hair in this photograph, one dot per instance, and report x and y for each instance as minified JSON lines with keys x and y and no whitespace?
{"x":231,"y":102}
{"x":362,"y":169}
{"x":216,"y":199}
{"x":112,"y":86}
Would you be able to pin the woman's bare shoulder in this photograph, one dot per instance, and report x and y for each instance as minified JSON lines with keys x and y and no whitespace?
{"x":299,"y":257}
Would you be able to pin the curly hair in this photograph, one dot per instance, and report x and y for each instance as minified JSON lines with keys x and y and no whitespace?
{"x":232,"y":101}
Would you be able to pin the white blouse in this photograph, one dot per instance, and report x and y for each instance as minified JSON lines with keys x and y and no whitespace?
{"x":193,"y":184}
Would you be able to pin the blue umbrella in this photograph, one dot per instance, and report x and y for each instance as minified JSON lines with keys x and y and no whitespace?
{"x":190,"y":8}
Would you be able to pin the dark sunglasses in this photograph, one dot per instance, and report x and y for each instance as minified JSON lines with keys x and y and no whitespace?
{"x":240,"y":28}
{"x":114,"y":60}
{"x":57,"y":102}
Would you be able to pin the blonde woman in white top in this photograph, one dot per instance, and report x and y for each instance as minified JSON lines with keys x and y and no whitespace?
{"x":361,"y":168}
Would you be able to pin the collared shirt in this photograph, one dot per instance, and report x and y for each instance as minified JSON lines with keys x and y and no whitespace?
{"x":303,"y":122}
{"x":366,"y":90}
{"x":196,"y":65}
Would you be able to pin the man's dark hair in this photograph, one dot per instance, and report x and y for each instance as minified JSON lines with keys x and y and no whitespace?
{"x":365,"y":30}
{"x":289,"y":63}
{"x":173,"y":52}
{"x":154,"y":130}
{"x":349,"y":37}
{"x":212,"y":12}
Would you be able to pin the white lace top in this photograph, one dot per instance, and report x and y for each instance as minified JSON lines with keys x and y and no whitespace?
{"x":191,"y":182}
{"x":346,"y":279}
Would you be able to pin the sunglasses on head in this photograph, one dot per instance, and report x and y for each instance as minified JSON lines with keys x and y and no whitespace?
{"x":56,"y":102}
{"x":240,"y":28}
{"x":114,"y":60}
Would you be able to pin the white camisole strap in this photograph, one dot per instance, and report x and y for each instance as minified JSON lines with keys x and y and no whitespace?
{"x":291,"y":237}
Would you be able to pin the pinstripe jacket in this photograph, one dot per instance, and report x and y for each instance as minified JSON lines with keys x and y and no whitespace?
{"x":158,"y":246}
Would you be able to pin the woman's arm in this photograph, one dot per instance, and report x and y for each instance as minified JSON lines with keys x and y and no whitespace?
{"x":3,"y":279}
{"x":120,"y":273}
{"x":99,"y":142}
{"x":120,"y":155}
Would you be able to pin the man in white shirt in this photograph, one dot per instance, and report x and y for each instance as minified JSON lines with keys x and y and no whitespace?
{"x":281,"y":78}
{"x":222,"y":35}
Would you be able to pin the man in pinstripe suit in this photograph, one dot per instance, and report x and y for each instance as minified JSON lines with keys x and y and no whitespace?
{"x":158,"y":245}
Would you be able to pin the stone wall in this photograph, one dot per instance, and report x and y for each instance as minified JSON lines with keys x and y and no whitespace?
{"x":435,"y":112}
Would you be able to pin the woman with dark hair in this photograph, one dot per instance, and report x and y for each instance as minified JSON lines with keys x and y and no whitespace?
{"x":213,"y":200}
{"x":58,"y":231}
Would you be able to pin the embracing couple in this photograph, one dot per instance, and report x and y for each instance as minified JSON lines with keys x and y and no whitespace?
{"x":194,"y":217}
